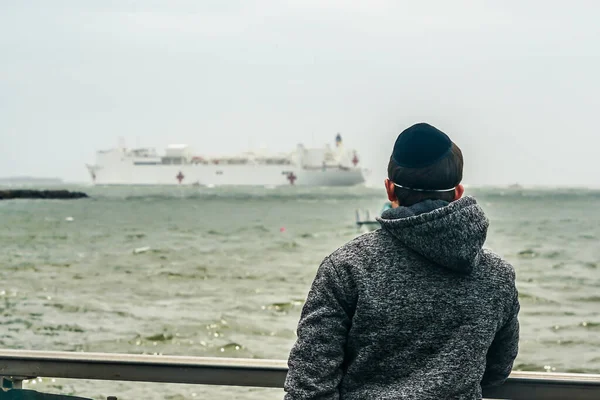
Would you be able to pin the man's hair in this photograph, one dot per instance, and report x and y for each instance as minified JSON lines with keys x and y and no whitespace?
{"x":444,"y":174}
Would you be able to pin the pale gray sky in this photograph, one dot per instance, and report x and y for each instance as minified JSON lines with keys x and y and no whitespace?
{"x":514,"y":83}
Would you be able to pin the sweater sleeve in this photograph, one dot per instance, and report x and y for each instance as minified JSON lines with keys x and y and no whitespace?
{"x":504,"y":348}
{"x":315,"y":362}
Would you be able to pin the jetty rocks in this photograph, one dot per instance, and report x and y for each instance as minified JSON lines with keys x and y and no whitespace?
{"x":40,"y":194}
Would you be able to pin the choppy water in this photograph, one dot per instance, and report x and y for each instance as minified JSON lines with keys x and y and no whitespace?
{"x":223,"y":272}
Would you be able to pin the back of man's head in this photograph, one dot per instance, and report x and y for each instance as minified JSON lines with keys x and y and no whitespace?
{"x":425,"y":164}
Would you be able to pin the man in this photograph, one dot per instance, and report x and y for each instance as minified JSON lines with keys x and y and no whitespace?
{"x":416,"y":309}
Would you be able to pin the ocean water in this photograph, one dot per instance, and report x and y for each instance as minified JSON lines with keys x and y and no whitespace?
{"x":224,"y":272}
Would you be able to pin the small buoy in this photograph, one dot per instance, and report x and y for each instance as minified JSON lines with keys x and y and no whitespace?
{"x":282,"y":229}
{"x":69,"y":219}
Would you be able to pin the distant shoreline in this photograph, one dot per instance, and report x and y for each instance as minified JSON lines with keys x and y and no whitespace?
{"x":37,"y":181}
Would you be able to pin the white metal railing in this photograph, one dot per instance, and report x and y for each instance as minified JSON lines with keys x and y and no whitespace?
{"x":16,"y":365}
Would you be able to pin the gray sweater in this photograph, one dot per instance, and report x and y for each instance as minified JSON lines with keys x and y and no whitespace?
{"x":414,"y":310}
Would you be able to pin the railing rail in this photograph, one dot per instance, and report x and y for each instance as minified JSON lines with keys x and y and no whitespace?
{"x":247,"y":372}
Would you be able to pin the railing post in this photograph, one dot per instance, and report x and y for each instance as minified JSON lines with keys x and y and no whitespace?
{"x":12,"y":382}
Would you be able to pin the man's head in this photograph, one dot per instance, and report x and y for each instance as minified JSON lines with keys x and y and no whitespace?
{"x":425,"y":164}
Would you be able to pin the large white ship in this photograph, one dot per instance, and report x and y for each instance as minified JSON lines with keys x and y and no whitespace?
{"x":325,"y":166}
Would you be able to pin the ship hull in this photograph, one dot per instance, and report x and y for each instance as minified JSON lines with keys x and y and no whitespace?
{"x":215,"y":175}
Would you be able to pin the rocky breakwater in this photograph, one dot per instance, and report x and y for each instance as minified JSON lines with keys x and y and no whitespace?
{"x":40,"y":194}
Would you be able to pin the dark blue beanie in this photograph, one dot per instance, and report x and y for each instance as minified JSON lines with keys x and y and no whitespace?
{"x":420,"y":145}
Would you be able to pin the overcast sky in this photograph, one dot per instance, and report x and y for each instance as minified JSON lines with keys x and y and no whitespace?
{"x":514,"y":83}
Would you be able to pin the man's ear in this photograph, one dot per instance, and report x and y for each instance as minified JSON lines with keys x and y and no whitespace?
{"x":459,"y":190}
{"x":391,"y":191}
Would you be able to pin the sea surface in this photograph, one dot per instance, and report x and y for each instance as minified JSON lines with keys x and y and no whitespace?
{"x":224,"y":272}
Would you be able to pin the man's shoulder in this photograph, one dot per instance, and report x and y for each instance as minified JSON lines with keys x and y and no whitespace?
{"x":497,"y":266}
{"x":362,"y":248}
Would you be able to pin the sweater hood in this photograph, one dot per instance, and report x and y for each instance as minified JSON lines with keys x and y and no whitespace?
{"x":449,"y":234}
